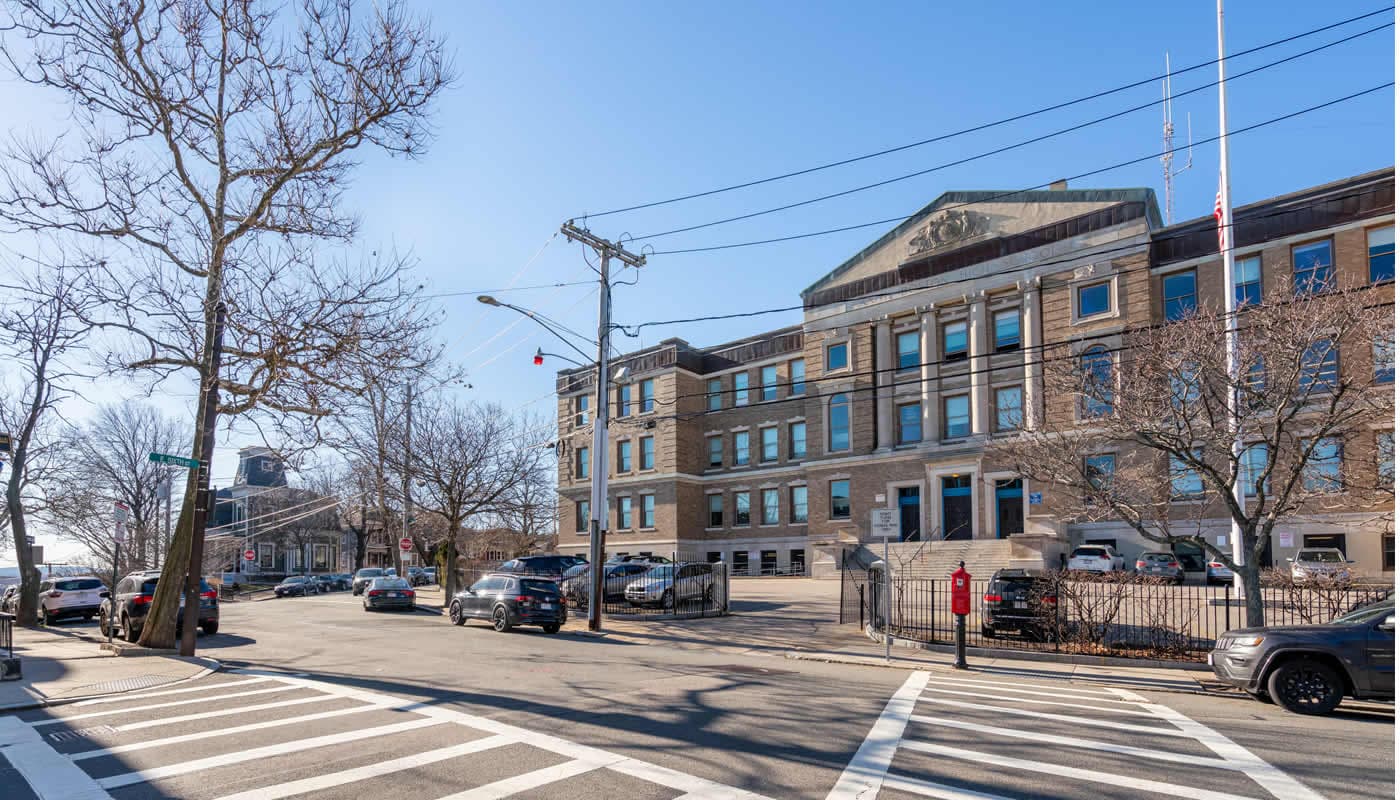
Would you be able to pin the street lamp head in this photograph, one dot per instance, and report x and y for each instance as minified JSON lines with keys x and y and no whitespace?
{"x":488,"y":300}
{"x":622,"y":373}
{"x":539,"y":356}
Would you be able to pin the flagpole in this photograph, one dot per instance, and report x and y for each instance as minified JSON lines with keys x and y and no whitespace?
{"x":1226,"y":229}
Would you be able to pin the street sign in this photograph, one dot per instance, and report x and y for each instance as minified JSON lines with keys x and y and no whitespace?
{"x":36,"y":553}
{"x":405,"y":544}
{"x":120,"y":511}
{"x":884,"y":523}
{"x":406,"y":555}
{"x":1035,"y":498}
{"x":29,"y":540}
{"x":179,"y":461}
{"x":249,"y":555}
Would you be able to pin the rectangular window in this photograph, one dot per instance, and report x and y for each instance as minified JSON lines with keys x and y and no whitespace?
{"x":797,"y":440}
{"x":581,"y":410}
{"x":648,"y":511}
{"x":770,"y":506}
{"x":624,"y":400}
{"x":797,"y":376}
{"x":839,"y":423}
{"x":648,"y":395}
{"x":1247,"y":282}
{"x":581,"y":516}
{"x":716,"y":445}
{"x":797,"y":504}
{"x":714,"y":394}
{"x":841,"y":499}
{"x":1380,"y":248}
{"x":955,"y":340}
{"x":741,"y":448}
{"x":1252,"y":463}
{"x":1006,"y":326}
{"x":624,"y":456}
{"x":768,"y":439}
{"x":624,"y":513}
{"x":907,"y":344}
{"x":1319,"y":367}
{"x":911,"y":423}
{"x":1312,"y":268}
{"x":741,"y":508}
{"x":1186,"y":482}
{"x":836,"y":356}
{"x":1385,"y":459}
{"x":1092,"y":299}
{"x":648,"y":452}
{"x":581,"y":462}
{"x":716,"y":502}
{"x":1323,"y":472}
{"x":1179,"y":294}
{"x":741,"y":388}
{"x":1383,"y":358}
{"x":1098,"y":469}
{"x":768,"y":376}
{"x":1008,"y":399}
{"x":957,"y":419}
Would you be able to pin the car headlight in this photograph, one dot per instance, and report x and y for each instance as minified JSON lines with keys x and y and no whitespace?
{"x":1245,"y":642}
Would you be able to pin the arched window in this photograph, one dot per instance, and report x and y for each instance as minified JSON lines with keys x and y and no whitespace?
{"x":1096,"y":367}
{"x":839,"y":423}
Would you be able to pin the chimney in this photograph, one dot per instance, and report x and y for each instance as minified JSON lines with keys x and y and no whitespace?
{"x":1059,"y":185}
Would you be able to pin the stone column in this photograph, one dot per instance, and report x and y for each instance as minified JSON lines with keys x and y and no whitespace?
{"x":884,"y":381}
{"x":1032,"y":352}
{"x":978,"y":361}
{"x":928,"y":373}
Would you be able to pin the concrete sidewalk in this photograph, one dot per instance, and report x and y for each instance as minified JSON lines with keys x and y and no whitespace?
{"x":64,"y":663}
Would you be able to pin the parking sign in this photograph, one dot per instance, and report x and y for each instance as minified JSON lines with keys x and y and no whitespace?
{"x":884,"y":523}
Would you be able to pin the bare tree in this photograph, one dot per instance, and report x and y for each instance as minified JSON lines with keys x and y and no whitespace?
{"x":207,"y":153}
{"x":1159,"y":403}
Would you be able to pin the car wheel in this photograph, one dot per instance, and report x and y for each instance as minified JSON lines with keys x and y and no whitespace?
{"x":454,"y":613}
{"x":209,"y":628}
{"x":104,"y":625}
{"x":44,"y":616}
{"x":129,"y":633}
{"x":551,"y":629}
{"x":1306,"y":686}
{"x":668,"y":599}
{"x":500,"y":620}
{"x":1262,"y":697}
{"x":988,"y":633}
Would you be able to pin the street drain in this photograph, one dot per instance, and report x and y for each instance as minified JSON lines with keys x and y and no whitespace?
{"x":746,"y":669}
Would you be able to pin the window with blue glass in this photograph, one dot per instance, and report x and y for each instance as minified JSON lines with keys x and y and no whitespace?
{"x":841,"y":499}
{"x":648,"y":452}
{"x":957,"y":417}
{"x":624,"y":512}
{"x":1248,"y":287}
{"x":1093,"y":299}
{"x":1009,"y":416}
{"x":1385,"y":459}
{"x":907,"y":344}
{"x":1319,"y":368}
{"x":648,"y":395}
{"x":1383,"y":358}
{"x":911,"y":425}
{"x":768,"y":439}
{"x":581,"y":462}
{"x":955,"y":340}
{"x":1186,"y":384}
{"x":1380,"y":249}
{"x":581,"y":410}
{"x":768,"y":381}
{"x":741,"y":448}
{"x":1179,"y":294}
{"x":839,"y":423}
{"x":1096,"y":367}
{"x":836,"y":356}
{"x":624,"y":400}
{"x":714,"y":394}
{"x":1186,"y":481}
{"x":1098,"y":469}
{"x":741,"y":508}
{"x":648,"y":511}
{"x":1323,"y":469}
{"x":1253,"y":463}
{"x":581,"y":516}
{"x":624,"y":456}
{"x":1312,"y":268}
{"x":797,"y":376}
{"x":1006,"y":326}
{"x":797,"y":440}
{"x":741,"y":388}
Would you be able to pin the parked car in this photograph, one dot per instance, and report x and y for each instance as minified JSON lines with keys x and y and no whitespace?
{"x":577,"y":580}
{"x":1308,"y":669}
{"x":1019,"y":600}
{"x":1095,"y":558}
{"x":342,"y":581}
{"x":125,"y":610}
{"x":551,"y":567}
{"x":1320,"y":562}
{"x":1160,"y":564}
{"x":508,"y":600}
{"x":363,"y":577}
{"x":640,"y":559}
{"x":668,"y":585}
{"x":61,"y":598}
{"x":9,"y":600}
{"x":295,"y":586}
{"x":431,"y":574}
{"x":1217,"y":572}
{"x":418,"y":576}
{"x":382,"y":593}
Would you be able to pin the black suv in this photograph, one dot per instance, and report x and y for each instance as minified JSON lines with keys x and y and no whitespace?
{"x":1307,"y":669}
{"x":1019,"y":600}
{"x":133,"y":599}
{"x":510,"y":600}
{"x":552,"y":567}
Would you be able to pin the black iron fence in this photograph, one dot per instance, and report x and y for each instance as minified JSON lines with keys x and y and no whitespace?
{"x":7,"y":634}
{"x":1115,"y":617}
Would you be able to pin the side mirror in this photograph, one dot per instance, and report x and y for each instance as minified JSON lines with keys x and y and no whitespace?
{"x":1388,"y":624}
{"x":104,"y":594}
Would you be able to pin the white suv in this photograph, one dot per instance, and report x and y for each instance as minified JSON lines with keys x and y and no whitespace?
{"x":69,"y":597}
{"x":1095,"y":558}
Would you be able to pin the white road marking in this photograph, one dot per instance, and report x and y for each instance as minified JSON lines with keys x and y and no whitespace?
{"x":153,"y":706}
{"x":1066,"y":695}
{"x":865,"y":773}
{"x":525,"y":782}
{"x":904,"y":783}
{"x":269,"y":751}
{"x":1087,"y":775}
{"x":49,"y":774}
{"x":1025,"y":712}
{"x":1080,"y":706}
{"x":143,"y":695}
{"x":223,"y":712}
{"x":1071,"y":692}
{"x":281,"y":790}
{"x":1075,"y":741}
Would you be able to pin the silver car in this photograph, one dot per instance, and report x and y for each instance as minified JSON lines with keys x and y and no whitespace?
{"x":669,"y":585}
{"x":1157,"y":564}
{"x":1217,"y":572}
{"x":1320,"y":562}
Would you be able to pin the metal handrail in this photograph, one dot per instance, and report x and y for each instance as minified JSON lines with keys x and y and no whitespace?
{"x":7,"y":634}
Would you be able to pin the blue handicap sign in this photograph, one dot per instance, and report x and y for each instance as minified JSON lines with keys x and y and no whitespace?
{"x":1035,"y":498}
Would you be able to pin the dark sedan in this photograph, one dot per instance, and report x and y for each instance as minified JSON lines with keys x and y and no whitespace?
{"x":510,"y":600}
{"x":385,"y":593}
{"x":295,"y":586}
{"x":363,"y":577}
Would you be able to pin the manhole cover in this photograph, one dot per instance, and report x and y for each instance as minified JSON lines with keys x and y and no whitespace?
{"x":82,"y":733}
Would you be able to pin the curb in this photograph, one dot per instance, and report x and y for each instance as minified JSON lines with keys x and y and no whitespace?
{"x":1035,"y":655}
{"x":214,"y":665}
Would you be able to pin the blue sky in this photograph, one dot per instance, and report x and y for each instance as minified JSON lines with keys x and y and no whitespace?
{"x":567,"y":108}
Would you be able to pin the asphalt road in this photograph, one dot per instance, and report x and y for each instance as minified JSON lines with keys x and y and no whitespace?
{"x":319,"y":699}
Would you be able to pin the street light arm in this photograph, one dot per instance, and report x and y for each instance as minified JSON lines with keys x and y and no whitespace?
{"x":575,"y":362}
{"x":491,"y":301}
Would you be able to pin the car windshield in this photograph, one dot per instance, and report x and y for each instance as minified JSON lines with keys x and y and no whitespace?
{"x":369,"y":573}
{"x":662,"y":571}
{"x":1092,"y":552}
{"x":77,"y":585}
{"x":1366,"y":613}
{"x":577,"y":569}
{"x":1330,"y":556}
{"x":293,"y":580}
{"x":1157,"y":557}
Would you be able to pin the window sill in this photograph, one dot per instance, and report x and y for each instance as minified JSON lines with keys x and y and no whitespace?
{"x":801,"y":524}
{"x":838,"y":519}
{"x":714,"y":530}
{"x":771,"y":525}
{"x":646,"y":530}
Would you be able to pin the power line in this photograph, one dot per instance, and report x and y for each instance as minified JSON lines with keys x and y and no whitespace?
{"x":1119,"y":165}
{"x":473,"y":292}
{"x":1006,"y":148}
{"x":988,"y":125}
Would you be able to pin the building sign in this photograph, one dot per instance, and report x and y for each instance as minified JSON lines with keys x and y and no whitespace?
{"x":1285,"y":538}
{"x":1035,"y":498}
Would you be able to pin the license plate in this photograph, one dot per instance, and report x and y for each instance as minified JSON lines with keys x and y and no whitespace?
{"x":1020,"y":603}
{"x":546,"y":606}
{"x":395,"y":594}
{"x":1210,"y":659}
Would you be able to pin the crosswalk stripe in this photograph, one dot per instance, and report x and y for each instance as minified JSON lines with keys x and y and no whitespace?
{"x":333,"y":779}
{"x":1080,"y":706}
{"x":1069,"y":691}
{"x":1088,"y":775}
{"x":1075,"y":741}
{"x":903,"y":783}
{"x":120,"y":698}
{"x":49,"y":775}
{"x":865,"y":772}
{"x":1063,"y":694}
{"x":153,"y":706}
{"x":223,"y":712}
{"x":1070,"y":718}
{"x":525,"y":781}
{"x":269,"y":751}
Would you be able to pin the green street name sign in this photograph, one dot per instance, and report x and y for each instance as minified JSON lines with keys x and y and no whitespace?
{"x":179,"y":461}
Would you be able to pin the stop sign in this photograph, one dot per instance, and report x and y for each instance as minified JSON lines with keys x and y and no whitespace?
{"x":405,"y":544}
{"x":249,"y":555}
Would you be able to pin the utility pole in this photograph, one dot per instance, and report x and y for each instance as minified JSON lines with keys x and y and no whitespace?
{"x":598,"y":502}
{"x":408,"y":481}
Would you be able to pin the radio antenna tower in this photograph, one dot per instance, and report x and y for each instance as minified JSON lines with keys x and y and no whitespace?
{"x":1169,"y":143}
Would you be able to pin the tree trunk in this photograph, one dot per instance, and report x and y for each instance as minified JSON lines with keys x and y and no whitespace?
{"x":27,"y":611}
{"x":1253,"y":596}
{"x":449,"y":548}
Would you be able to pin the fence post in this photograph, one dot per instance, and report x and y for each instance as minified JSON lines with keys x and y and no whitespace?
{"x":1228,"y":591}
{"x":860,"y":590}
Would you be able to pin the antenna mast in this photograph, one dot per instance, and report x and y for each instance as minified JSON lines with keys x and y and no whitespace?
{"x":1169,"y":145}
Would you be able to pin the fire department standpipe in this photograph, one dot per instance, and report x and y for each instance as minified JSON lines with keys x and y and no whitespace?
{"x":962,"y":606}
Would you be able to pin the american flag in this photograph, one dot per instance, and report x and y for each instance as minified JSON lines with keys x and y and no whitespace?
{"x":1219,"y":219}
